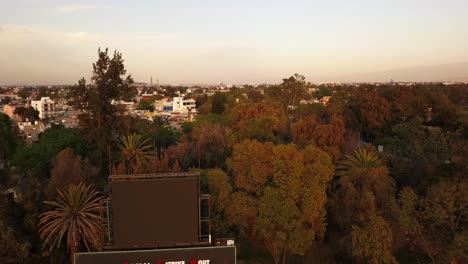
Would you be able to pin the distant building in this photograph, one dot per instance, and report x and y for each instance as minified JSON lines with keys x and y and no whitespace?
{"x":180,"y":105}
{"x":175,"y":105}
{"x":45,"y":107}
{"x":325,"y":100}
{"x":9,"y":110}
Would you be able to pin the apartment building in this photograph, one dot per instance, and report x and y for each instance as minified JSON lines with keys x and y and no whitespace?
{"x":45,"y":106}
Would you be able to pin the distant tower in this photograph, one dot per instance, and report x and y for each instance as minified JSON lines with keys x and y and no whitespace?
{"x":151,"y":80}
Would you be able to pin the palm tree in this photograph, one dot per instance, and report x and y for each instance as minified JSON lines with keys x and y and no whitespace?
{"x":75,"y":217}
{"x":161,"y":121}
{"x":135,"y":151}
{"x":364,"y":158}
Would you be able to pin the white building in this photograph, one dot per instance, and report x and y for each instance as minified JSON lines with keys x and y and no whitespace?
{"x":179,"y":105}
{"x":175,"y":105}
{"x":45,"y":107}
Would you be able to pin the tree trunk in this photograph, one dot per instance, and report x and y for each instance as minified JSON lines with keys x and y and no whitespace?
{"x":285,"y":254}
{"x":276,"y":259}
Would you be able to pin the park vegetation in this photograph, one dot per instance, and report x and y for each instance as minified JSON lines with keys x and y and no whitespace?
{"x":378,"y":175}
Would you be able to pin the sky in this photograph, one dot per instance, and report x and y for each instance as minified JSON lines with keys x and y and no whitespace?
{"x":242,"y":41}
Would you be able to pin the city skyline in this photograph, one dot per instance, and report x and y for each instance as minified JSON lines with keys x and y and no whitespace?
{"x":55,"y":42}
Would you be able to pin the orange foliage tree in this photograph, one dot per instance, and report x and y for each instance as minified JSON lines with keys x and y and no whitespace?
{"x":260,"y":121}
{"x":329,"y":137}
{"x":277,"y":195}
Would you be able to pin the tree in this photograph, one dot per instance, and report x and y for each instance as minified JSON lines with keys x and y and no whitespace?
{"x":218,"y":103}
{"x":212,"y":143}
{"x":251,"y":165}
{"x":145,"y":105}
{"x":28,"y":113}
{"x":329,"y":137}
{"x":24,"y":93}
{"x":289,"y":93}
{"x":279,"y":195}
{"x":255,"y":96}
{"x":260,"y":121}
{"x":363,"y":189}
{"x":38,"y":156}
{"x":69,"y":168}
{"x":184,"y":153}
{"x":323,"y":91}
{"x":7,"y":139}
{"x":135,"y":152}
{"x":220,"y":191}
{"x":311,"y":109}
{"x":436,"y":223}
{"x":98,"y":114}
{"x":364,"y":158}
{"x":162,"y":133}
{"x":251,"y":168}
{"x":416,"y":151}
{"x":75,"y":218}
{"x":6,"y":100}
{"x":374,"y":112}
{"x":372,"y":243}
{"x":291,"y":213}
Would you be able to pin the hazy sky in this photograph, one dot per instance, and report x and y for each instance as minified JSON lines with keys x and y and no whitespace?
{"x":234,"y":41}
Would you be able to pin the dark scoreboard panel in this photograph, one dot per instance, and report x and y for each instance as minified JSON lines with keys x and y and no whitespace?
{"x":200,"y":255}
{"x":154,"y":213}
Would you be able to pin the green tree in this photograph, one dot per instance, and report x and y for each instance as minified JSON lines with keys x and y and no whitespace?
{"x":416,"y":151}
{"x":98,"y":114}
{"x":162,"y":133}
{"x":38,"y":156}
{"x":6,"y":100}
{"x":75,"y":219}
{"x":436,"y":223}
{"x":218,"y":103}
{"x":145,"y":105}
{"x":8,"y":140}
{"x":254,"y":95}
{"x":323,"y":91}
{"x":27,"y":113}
{"x":135,"y":152}
{"x":289,"y":93}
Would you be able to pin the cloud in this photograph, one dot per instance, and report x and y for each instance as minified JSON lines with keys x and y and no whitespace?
{"x":43,"y":55}
{"x":75,"y":8}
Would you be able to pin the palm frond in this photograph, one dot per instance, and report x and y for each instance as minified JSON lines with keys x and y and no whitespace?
{"x":75,"y":217}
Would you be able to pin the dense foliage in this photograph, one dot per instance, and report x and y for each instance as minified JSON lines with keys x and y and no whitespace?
{"x":377,"y":175}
